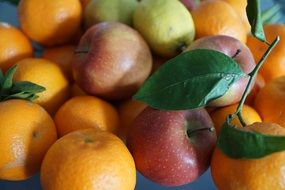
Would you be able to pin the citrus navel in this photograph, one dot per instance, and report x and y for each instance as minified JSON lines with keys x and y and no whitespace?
{"x":27,"y":131}
{"x":88,"y":159}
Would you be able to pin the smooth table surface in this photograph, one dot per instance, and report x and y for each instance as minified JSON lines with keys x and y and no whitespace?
{"x":8,"y":14}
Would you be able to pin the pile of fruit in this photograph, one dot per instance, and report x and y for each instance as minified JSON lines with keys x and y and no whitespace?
{"x":168,"y":88}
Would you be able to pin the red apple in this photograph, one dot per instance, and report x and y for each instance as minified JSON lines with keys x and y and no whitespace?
{"x":239,"y":52}
{"x":172,"y":147}
{"x":112,"y":60}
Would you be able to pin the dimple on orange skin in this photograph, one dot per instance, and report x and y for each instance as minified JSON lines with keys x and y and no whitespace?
{"x":50,"y":22}
{"x":273,"y":66}
{"x":49,"y":75}
{"x":216,"y":17}
{"x":14,"y":46}
{"x":88,"y":159}
{"x":86,"y":112}
{"x":248,"y":174}
{"x":27,"y":131}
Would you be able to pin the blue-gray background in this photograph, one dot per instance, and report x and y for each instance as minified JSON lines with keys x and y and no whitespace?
{"x":8,"y":13}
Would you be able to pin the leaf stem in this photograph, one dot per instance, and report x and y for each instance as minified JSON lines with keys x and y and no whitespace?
{"x":239,"y":114}
{"x":252,"y":76}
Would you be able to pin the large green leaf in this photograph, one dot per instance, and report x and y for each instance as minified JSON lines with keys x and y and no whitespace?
{"x":238,"y":143}
{"x":190,"y":80}
{"x":253,"y":12}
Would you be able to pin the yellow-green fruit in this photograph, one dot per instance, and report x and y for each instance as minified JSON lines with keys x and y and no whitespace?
{"x":109,"y":10}
{"x":166,"y":25}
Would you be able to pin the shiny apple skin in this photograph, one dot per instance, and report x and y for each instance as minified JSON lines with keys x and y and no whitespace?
{"x":163,"y":150}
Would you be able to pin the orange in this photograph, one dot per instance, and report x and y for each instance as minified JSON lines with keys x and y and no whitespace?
{"x":61,"y":55}
{"x":128,"y":111}
{"x":88,"y":159}
{"x":258,"y":84}
{"x":273,"y":66}
{"x":14,"y":46}
{"x":48,"y":75}
{"x":219,"y":116}
{"x":27,"y":131}
{"x":240,"y":8}
{"x":269,"y":101}
{"x":216,"y":17}
{"x":50,"y":22}
{"x":86,"y":112}
{"x":250,"y":174}
{"x":76,"y":90}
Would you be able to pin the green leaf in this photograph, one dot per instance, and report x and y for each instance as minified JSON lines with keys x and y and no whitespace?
{"x":241,"y":144}
{"x":8,"y":79}
{"x":17,"y":90}
{"x":19,"y":95}
{"x":253,"y":12}
{"x":14,"y":2}
{"x":190,"y":80}
{"x":26,"y":86}
{"x":33,"y":97}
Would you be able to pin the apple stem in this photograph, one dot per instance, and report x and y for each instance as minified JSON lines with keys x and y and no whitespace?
{"x":252,"y":76}
{"x":236,"y":54}
{"x":210,"y":129}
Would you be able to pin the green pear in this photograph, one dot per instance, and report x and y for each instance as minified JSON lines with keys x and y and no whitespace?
{"x":109,"y":10}
{"x":166,"y":25}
